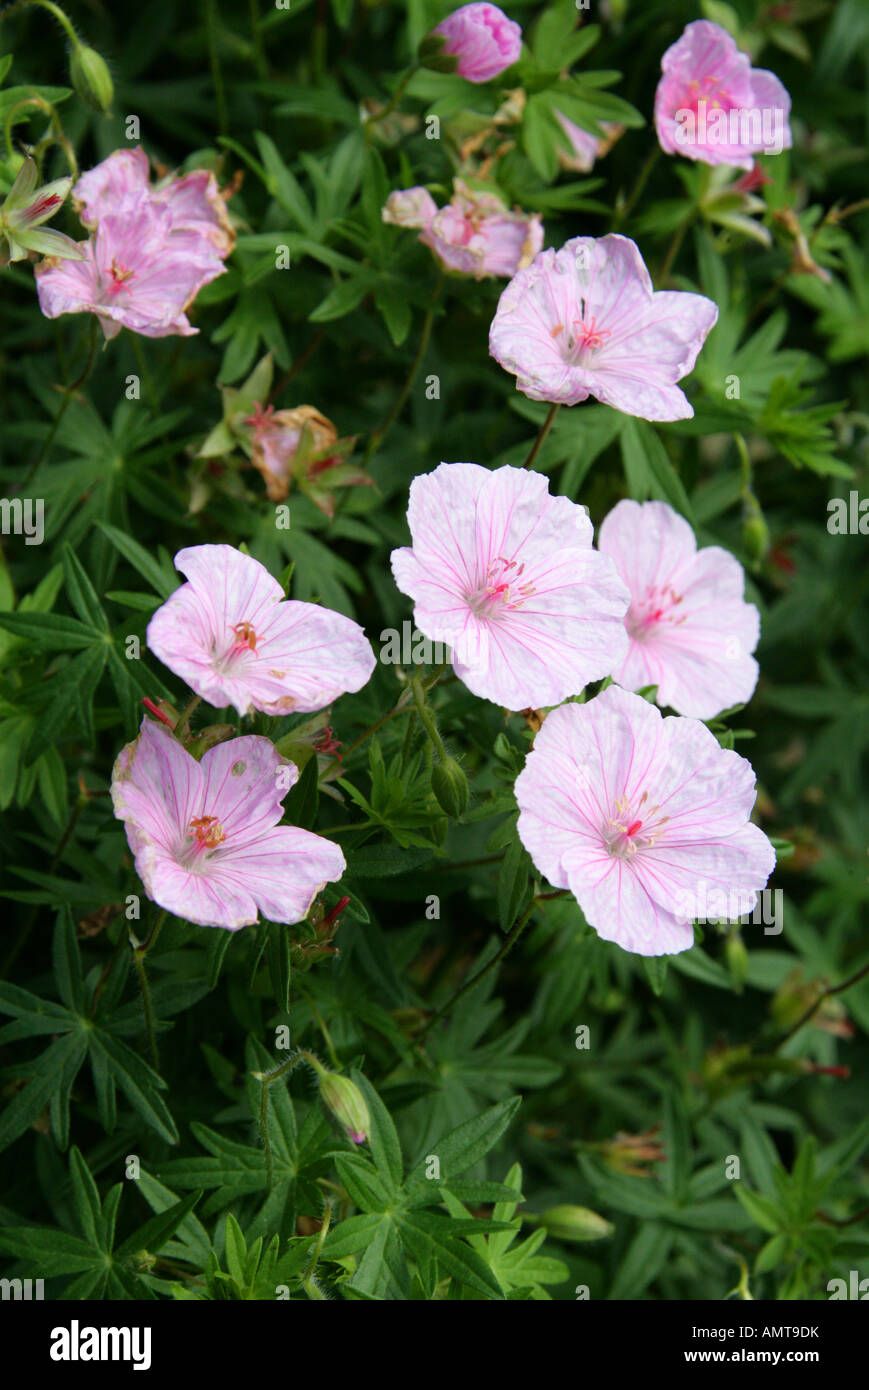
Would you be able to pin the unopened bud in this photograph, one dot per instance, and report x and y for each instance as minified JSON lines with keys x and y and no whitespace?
{"x":450,"y":786}
{"x":575,"y":1223}
{"x":91,"y":78}
{"x":344,"y":1098}
{"x":737,"y":959}
{"x":755,"y":537}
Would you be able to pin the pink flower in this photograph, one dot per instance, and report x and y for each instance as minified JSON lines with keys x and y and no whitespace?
{"x":585,"y":321}
{"x":644,"y":819}
{"x":712,"y":106}
{"x":205,"y":835}
{"x":193,"y":200}
{"x":151,"y":252}
{"x":474,"y":234}
{"x":585,"y":147}
{"x":506,"y":576}
{"x":483,"y":39}
{"x":234,"y":638}
{"x":691,"y":632}
{"x":133,"y":274}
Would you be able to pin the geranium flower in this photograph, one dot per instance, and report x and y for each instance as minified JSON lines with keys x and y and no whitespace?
{"x":483,"y":39}
{"x":712,"y":106}
{"x":506,"y":576}
{"x":132,"y":274}
{"x":585,"y":321}
{"x":474,"y":234}
{"x":205,"y":835}
{"x":691,"y":632}
{"x":151,"y":252}
{"x":231,"y":634}
{"x":644,"y":819}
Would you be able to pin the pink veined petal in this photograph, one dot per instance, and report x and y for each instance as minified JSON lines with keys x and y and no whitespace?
{"x":157,"y":786}
{"x":687,"y":879}
{"x":302,"y":658}
{"x":691,"y":632}
{"x":242,"y":787}
{"x":283,"y":871}
{"x":616,"y":902}
{"x":505,"y":574}
{"x":100,"y":190}
{"x":638,"y":816}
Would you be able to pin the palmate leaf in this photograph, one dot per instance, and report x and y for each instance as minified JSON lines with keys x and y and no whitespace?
{"x":85,"y":1036}
{"x":106,"y":1269}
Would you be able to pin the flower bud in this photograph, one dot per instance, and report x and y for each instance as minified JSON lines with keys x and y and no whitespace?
{"x":344,"y":1098}
{"x":91,"y":78}
{"x":737,"y":958}
{"x":450,"y":786}
{"x":755,"y":537}
{"x":575,"y":1223}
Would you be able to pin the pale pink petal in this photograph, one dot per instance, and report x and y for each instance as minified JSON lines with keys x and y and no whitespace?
{"x":639,"y":816}
{"x":691,"y":631}
{"x":232,"y":636}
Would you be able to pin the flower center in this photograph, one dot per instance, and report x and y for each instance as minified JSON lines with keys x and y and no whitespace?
{"x":502,"y":588}
{"x":245,"y":637}
{"x":582,"y":337}
{"x":709,"y":90}
{"x":119,"y":276}
{"x":632,"y":828}
{"x":207,"y":834}
{"x":646,"y":614}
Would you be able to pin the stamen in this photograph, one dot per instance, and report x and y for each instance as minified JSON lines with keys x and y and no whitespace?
{"x":207,"y":831}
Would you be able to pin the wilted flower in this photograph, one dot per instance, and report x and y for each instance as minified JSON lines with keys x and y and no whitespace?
{"x":194,"y":201}
{"x":586,"y":321}
{"x":626,"y":1153}
{"x":131,"y":275}
{"x":301,"y":445}
{"x":474,"y":234}
{"x":153,"y":248}
{"x":231,"y":634}
{"x":690,"y":630}
{"x":506,"y":575}
{"x":23,"y":212}
{"x":640,"y":816}
{"x":483,"y":40}
{"x":712,"y":106}
{"x":585,"y":148}
{"x":205,"y":835}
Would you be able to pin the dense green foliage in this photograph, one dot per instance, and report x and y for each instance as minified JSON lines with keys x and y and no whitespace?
{"x":700,"y":1054}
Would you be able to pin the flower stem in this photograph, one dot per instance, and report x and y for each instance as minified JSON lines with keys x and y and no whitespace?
{"x":672,"y":251}
{"x":490,"y":965}
{"x":544,"y":430}
{"x":68,"y":393}
{"x":214,"y":60}
{"x":427,"y":717}
{"x":813,"y":1008}
{"x":140,"y":950}
{"x":622,"y":213}
{"x":267,"y":1077}
{"x":378,"y":435}
{"x":184,"y":716}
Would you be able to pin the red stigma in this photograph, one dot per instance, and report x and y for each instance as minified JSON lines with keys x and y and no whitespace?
{"x":632,"y":829}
